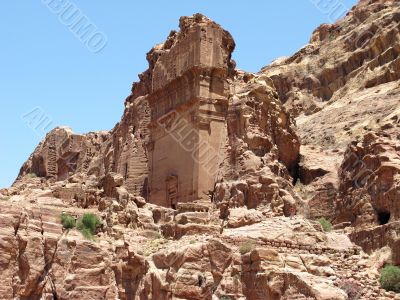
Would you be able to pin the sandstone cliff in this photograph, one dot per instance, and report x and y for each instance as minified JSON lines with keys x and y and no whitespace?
{"x":210,"y":185}
{"x":343,"y":88}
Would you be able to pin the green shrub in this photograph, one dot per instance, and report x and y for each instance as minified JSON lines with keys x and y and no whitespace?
{"x":246,"y":247}
{"x":31,"y":175}
{"x":390,"y":278}
{"x":67,"y":221}
{"x":87,"y":233}
{"x":225,"y":298}
{"x":326,"y":224}
{"x":87,"y":225}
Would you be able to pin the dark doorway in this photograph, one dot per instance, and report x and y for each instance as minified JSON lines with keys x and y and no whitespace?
{"x":126,"y":170}
{"x":383,"y":217}
{"x":172,"y":190}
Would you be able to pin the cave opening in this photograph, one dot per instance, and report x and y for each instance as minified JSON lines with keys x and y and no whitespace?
{"x":383,"y":217}
{"x":200,"y":280}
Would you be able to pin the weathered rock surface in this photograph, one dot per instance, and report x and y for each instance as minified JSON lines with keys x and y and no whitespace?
{"x":343,"y":88}
{"x":262,"y":151}
{"x":356,"y":53}
{"x":370,"y":181}
{"x":209,"y":186}
{"x":318,"y":182}
{"x":64,"y":153}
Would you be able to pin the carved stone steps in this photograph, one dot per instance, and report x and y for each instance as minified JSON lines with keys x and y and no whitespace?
{"x":52,"y":158}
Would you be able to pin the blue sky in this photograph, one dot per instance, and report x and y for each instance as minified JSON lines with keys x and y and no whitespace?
{"x":46,"y":71}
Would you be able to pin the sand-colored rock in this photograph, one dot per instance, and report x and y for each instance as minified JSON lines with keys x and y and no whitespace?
{"x":370,"y":186}
{"x":209,"y":186}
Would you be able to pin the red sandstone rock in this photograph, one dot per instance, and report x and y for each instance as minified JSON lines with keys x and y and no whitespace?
{"x":369,"y":181}
{"x":339,"y":59}
{"x":181,"y":224}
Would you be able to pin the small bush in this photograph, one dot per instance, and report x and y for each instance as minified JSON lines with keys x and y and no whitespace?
{"x":246,"y":247}
{"x":67,"y":221}
{"x":225,"y":298}
{"x":31,"y":175}
{"x":326,"y":224}
{"x":87,"y":233}
{"x":87,"y":225}
{"x":390,"y":278}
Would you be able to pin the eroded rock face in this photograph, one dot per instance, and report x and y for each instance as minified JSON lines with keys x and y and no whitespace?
{"x":257,"y":122}
{"x":64,"y":153}
{"x":341,"y":86}
{"x":362,"y":42}
{"x":42,"y":260}
{"x":343,"y":90}
{"x":318,"y":182}
{"x":171,"y":229}
{"x":370,"y":178}
{"x":262,"y":151}
{"x":125,"y":151}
